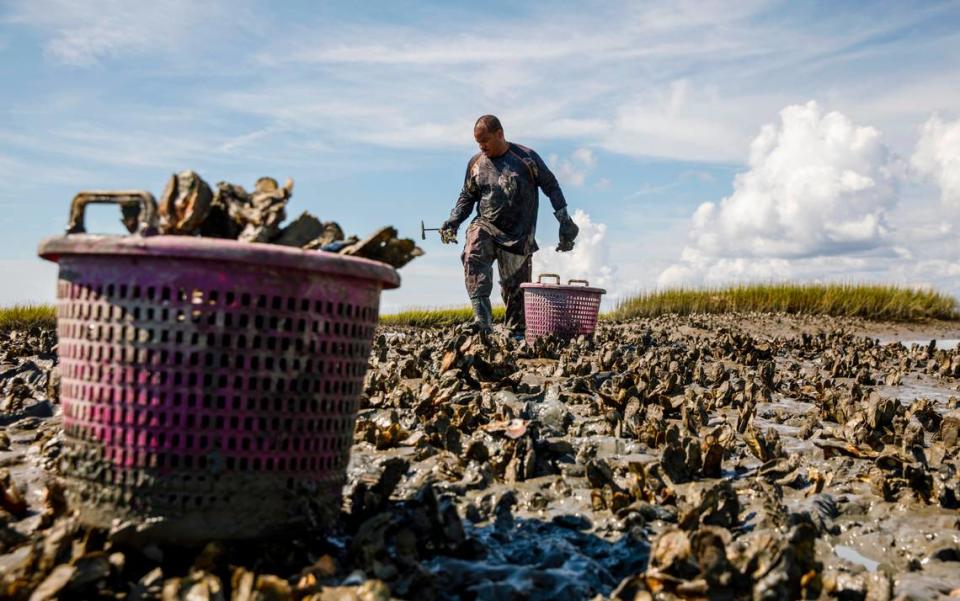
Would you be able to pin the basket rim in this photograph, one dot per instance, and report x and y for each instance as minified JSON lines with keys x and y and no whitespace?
{"x":214,"y":249}
{"x":563,"y":288}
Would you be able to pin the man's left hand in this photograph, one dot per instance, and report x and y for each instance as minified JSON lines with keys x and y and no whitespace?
{"x":568,"y":231}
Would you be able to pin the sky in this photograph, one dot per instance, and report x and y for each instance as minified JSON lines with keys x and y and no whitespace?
{"x":697,"y":143}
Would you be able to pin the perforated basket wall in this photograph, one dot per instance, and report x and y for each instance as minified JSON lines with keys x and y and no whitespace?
{"x":564,"y":311}
{"x":209,"y":398}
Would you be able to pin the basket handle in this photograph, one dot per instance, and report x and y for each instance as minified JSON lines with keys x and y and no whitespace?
{"x":138,"y":209}
{"x":572,"y":282}
{"x":548,"y":275}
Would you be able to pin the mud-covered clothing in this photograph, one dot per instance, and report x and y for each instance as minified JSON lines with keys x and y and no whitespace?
{"x":479,"y":252}
{"x":504,"y":189}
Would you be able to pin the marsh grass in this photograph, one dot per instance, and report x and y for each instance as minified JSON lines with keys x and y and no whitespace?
{"x":876,"y":302}
{"x":23,"y":317}
{"x":426,"y":317}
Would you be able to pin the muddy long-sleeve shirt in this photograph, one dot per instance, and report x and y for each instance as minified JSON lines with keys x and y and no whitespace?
{"x":504,"y":188}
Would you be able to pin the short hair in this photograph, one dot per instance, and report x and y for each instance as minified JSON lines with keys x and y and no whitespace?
{"x":489,"y":123}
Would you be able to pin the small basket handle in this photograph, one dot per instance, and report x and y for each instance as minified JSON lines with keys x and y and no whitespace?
{"x":138,"y":208}
{"x":572,"y":282}
{"x":548,"y":275}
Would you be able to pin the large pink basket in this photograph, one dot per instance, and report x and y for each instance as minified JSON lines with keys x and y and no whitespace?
{"x":563,"y":311}
{"x":209,"y":387}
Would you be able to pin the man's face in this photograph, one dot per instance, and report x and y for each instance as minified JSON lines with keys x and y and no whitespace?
{"x":491,"y":144}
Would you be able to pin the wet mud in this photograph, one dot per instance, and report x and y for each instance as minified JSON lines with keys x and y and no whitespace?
{"x":728,"y":457}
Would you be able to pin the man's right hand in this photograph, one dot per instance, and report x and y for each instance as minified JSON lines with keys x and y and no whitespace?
{"x":448,"y":233}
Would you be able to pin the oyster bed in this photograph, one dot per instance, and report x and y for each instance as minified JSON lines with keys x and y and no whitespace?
{"x":734,"y":456}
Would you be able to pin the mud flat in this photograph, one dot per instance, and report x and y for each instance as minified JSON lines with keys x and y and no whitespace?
{"x":732,"y":456}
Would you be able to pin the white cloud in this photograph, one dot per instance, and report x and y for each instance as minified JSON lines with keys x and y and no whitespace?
{"x":697,"y":270}
{"x":937,"y":156}
{"x":563,"y":37}
{"x":702,"y":176}
{"x":818,"y":186}
{"x":244,"y":141}
{"x":668,"y":80}
{"x":589,"y":260}
{"x":585,"y":157}
{"x":675,"y":80}
{"x":84,"y":33}
{"x":573,"y":171}
{"x":680,"y":120}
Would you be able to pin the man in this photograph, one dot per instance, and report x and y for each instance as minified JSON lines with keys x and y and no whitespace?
{"x":502,"y":180}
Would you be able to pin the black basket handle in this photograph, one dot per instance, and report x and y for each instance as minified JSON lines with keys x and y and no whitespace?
{"x":548,"y":275}
{"x":138,"y":208}
{"x":572,"y":282}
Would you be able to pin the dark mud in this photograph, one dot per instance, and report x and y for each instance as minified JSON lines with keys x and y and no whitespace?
{"x":753,"y":457}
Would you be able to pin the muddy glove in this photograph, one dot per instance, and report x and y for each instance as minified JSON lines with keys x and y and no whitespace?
{"x":568,"y":230}
{"x":448,"y":233}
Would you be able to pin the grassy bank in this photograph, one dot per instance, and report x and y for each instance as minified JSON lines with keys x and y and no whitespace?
{"x":20,"y":317}
{"x":876,"y":302}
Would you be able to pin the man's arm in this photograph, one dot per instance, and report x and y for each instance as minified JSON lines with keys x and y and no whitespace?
{"x":551,"y":187}
{"x":549,"y":184}
{"x":469,"y":195}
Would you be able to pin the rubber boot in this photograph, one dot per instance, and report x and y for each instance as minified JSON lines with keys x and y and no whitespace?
{"x":482,"y":313}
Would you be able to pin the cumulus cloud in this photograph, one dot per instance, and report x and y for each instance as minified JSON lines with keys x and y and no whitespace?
{"x":818,"y":185}
{"x":589,"y":259}
{"x":573,"y":171}
{"x":937,"y":156}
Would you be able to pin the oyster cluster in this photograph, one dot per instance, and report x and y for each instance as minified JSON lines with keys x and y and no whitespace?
{"x":735,"y":456}
{"x":189,"y":207}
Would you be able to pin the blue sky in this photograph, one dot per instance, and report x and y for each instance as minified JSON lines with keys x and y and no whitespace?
{"x":703,"y":142}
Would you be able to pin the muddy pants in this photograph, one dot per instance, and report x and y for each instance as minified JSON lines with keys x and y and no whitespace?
{"x":478,"y":256}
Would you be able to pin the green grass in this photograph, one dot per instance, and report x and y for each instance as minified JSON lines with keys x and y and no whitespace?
{"x":425,"y":317}
{"x":23,"y":317}
{"x":892,"y":303}
{"x":882,"y":303}
{"x":877,"y":302}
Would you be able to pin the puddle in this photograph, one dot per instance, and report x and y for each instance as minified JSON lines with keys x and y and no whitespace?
{"x":920,"y":388}
{"x":540,"y":559}
{"x":948,"y":344}
{"x":854,"y":556}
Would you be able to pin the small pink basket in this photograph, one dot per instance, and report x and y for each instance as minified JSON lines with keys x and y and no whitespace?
{"x":563,"y":311}
{"x":210,"y":387}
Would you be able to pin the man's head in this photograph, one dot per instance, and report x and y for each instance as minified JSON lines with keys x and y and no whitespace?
{"x":488,"y":133}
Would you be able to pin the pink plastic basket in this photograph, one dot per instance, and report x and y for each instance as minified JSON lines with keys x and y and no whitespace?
{"x":209,"y":387}
{"x":563,"y":311}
